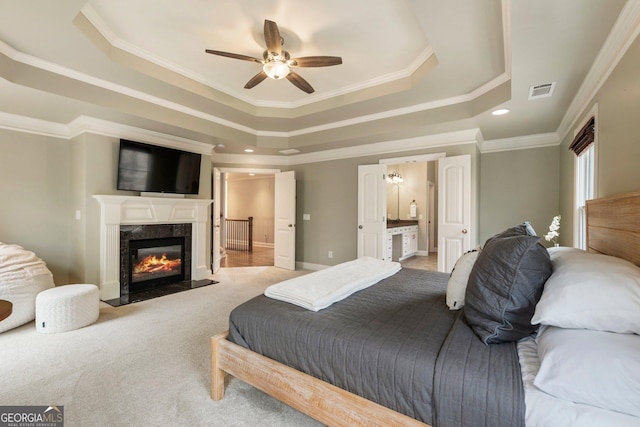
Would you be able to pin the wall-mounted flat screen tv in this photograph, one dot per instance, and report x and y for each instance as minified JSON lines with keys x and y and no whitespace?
{"x":155,"y":169}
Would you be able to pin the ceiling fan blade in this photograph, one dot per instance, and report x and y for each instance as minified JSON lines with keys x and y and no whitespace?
{"x":234,"y":55}
{"x":272,"y":37}
{"x":316,"y":61}
{"x":258,"y":78}
{"x":299,"y":82}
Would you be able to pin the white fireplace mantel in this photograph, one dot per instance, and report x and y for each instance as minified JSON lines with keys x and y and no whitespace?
{"x":131,"y":210}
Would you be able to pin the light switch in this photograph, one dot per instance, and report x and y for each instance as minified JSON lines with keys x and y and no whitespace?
{"x":306,"y":217}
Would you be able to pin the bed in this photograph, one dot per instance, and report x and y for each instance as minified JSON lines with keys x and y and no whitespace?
{"x":428,"y":365}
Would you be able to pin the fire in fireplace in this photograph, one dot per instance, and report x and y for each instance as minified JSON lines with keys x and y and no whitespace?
{"x":155,"y":262}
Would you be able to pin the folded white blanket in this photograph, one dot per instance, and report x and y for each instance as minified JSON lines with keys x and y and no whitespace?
{"x":320,"y":289}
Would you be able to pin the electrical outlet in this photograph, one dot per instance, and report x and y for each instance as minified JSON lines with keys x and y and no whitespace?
{"x":330,"y":254}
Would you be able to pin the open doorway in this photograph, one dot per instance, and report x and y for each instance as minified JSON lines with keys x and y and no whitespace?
{"x":456,"y":218}
{"x":414,"y":200}
{"x":247,"y":219}
{"x":280,"y":197}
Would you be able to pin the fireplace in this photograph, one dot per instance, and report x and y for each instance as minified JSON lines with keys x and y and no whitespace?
{"x":123,"y":213}
{"x":155,"y":262}
{"x":153,"y":255}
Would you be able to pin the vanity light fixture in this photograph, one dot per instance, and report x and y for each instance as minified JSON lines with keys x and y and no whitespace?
{"x":394,"y":177}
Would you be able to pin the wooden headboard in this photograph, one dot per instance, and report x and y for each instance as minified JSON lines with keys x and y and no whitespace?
{"x":613,"y":226}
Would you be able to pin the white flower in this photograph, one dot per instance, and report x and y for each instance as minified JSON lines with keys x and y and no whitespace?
{"x":553,"y":234}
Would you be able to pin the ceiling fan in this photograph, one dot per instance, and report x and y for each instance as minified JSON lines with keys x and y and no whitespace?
{"x":277,"y":62}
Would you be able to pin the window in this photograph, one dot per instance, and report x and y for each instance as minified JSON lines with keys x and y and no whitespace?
{"x":585,"y":178}
{"x":584,"y":146}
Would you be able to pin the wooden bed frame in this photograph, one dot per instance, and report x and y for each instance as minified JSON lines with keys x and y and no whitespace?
{"x":320,"y":400}
{"x":613,"y":228}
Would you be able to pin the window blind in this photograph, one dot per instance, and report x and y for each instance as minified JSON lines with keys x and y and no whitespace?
{"x":584,"y":138}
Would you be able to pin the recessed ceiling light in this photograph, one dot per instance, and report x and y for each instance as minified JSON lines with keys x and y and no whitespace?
{"x":500,"y":111}
{"x":248,"y":150}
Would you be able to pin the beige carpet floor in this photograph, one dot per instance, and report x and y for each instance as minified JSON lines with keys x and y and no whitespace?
{"x":143,"y":364}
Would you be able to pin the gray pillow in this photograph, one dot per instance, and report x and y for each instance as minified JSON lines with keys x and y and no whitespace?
{"x":504,"y":287}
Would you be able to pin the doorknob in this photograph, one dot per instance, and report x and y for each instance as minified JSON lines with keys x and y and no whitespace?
{"x":290,"y":225}
{"x":360,"y":227}
{"x":464,"y":231}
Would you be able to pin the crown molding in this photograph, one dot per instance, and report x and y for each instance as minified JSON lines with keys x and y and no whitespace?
{"x":60,"y":70}
{"x":25,"y":124}
{"x":431,"y":105}
{"x":85,"y":124}
{"x":470,"y":136}
{"x":520,"y":143}
{"x":116,"y":88}
{"x":90,"y":125}
{"x":623,"y":33}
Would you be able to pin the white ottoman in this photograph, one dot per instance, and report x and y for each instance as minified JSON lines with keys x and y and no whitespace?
{"x":65,"y":308}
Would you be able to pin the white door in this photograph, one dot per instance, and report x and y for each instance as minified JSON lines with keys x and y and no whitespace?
{"x":284,"y":253}
{"x":216,"y":220}
{"x":372,"y":206}
{"x":454,"y":210}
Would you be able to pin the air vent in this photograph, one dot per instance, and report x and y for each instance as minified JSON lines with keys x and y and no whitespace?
{"x":541,"y":91}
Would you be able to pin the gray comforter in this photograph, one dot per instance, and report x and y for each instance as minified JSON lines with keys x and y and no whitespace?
{"x":397,"y":344}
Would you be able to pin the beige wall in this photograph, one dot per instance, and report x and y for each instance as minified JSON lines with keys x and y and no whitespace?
{"x":618,"y":129}
{"x":34,"y":197}
{"x":517,"y":186}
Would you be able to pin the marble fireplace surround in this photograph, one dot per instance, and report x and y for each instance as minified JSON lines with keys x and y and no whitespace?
{"x":137,"y":210}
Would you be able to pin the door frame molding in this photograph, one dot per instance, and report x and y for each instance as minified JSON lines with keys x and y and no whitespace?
{"x":436,"y":157}
{"x":223,"y":170}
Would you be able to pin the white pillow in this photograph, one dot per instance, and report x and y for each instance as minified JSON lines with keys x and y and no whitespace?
{"x":457,"y":285}
{"x":590,"y":291}
{"x":592,"y":367}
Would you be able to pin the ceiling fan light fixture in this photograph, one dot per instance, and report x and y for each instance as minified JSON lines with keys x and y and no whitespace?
{"x":276,"y":62}
{"x":276,"y":69}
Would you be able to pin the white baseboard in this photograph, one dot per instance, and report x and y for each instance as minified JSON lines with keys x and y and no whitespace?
{"x":263,"y":244}
{"x":310,"y":266}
